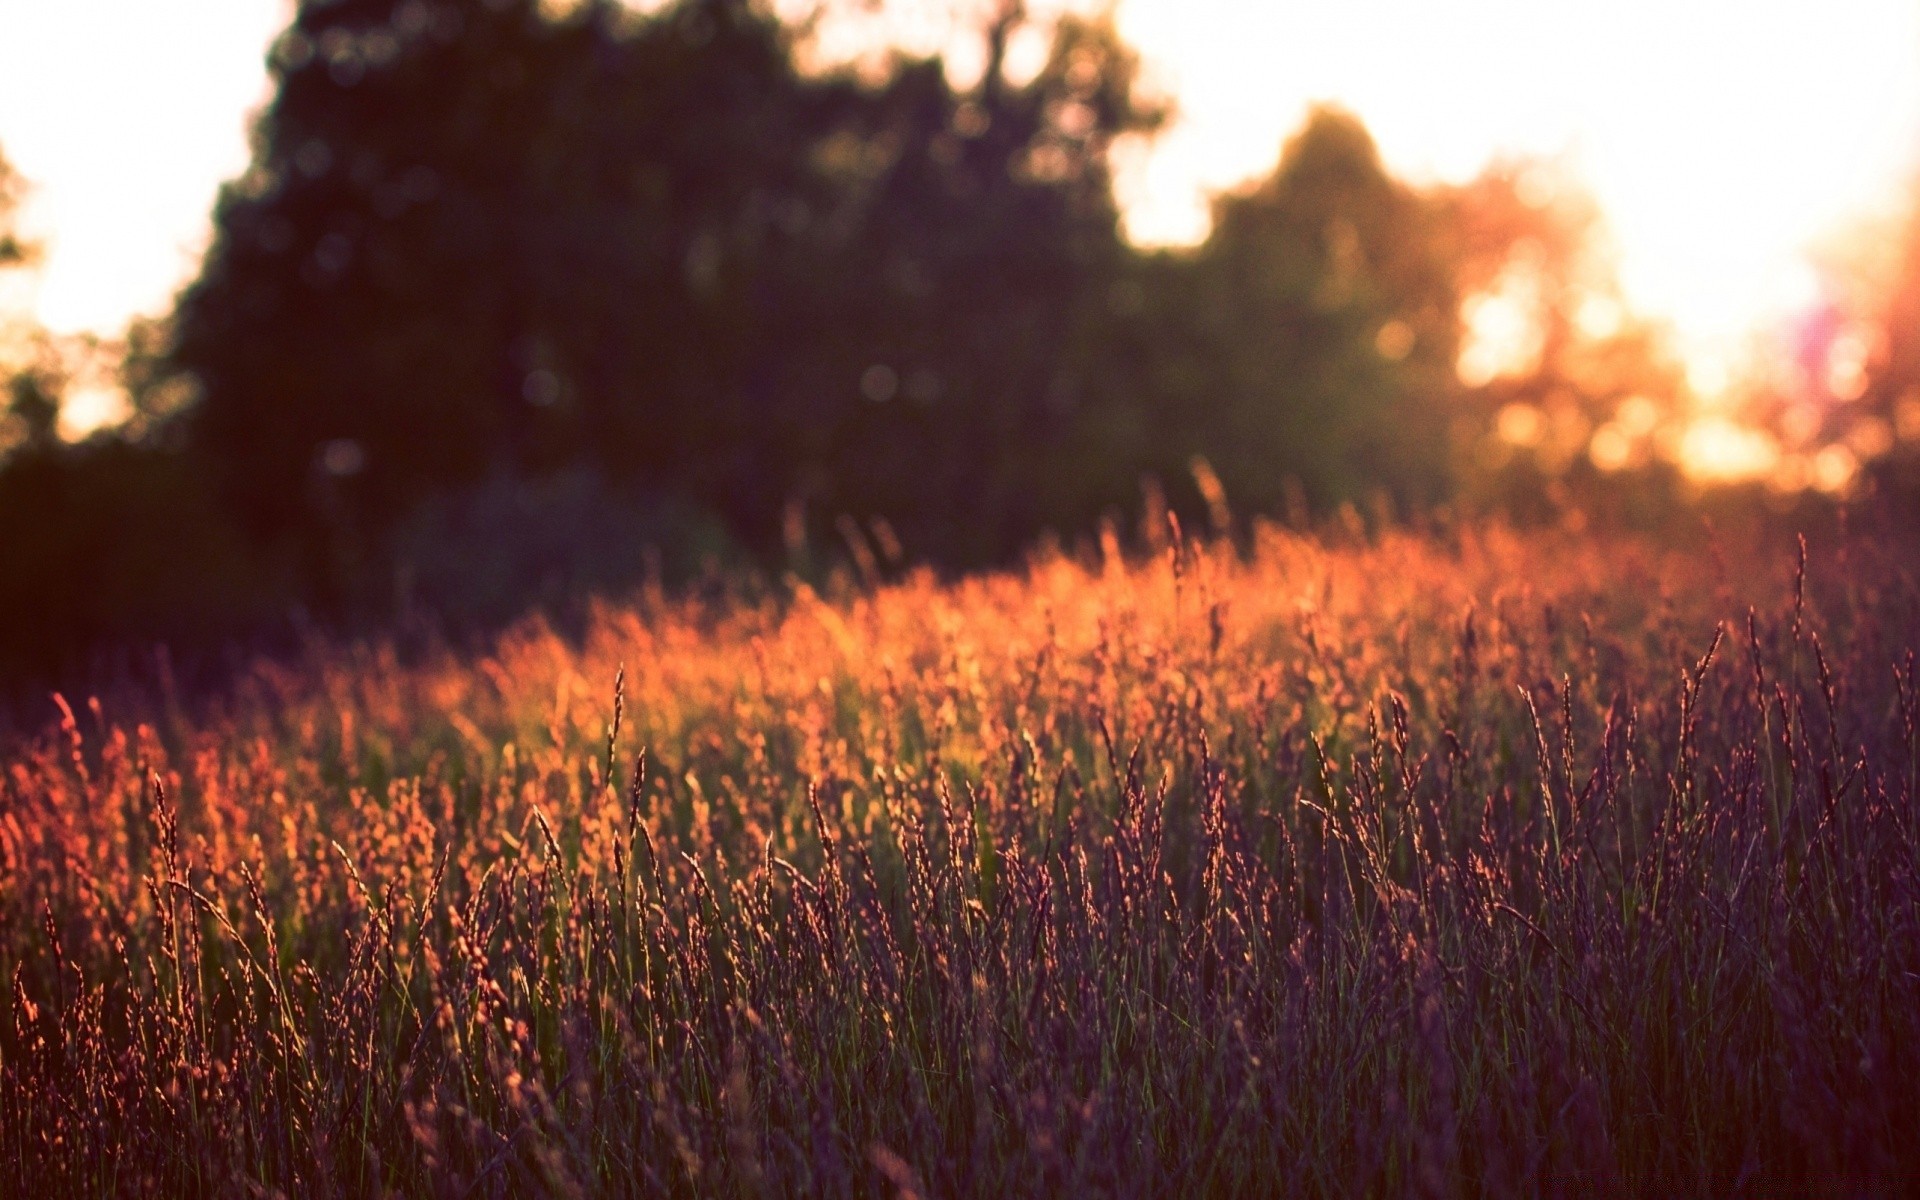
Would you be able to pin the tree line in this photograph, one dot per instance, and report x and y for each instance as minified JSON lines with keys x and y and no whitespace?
{"x":519,"y":290}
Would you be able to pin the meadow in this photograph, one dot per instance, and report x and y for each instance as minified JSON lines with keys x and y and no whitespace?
{"x":1455,"y":862}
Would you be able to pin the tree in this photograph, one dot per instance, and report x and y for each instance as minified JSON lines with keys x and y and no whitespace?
{"x":1305,"y":349}
{"x":478,"y":237}
{"x":1881,"y":426}
{"x":1566,"y":391}
{"x":15,"y":251}
{"x":937,"y":356}
{"x":32,"y":373}
{"x":106,"y":541}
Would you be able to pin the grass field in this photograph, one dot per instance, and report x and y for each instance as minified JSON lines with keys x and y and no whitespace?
{"x":1464,"y":863}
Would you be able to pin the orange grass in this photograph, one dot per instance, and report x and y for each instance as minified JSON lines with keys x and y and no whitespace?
{"x":1475,"y":864}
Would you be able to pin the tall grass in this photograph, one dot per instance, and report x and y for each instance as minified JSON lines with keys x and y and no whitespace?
{"x":1474,"y":864}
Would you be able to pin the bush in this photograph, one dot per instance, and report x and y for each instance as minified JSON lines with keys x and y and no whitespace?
{"x":111,"y":544}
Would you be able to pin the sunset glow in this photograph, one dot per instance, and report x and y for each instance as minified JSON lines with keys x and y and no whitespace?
{"x":125,"y":116}
{"x":1721,"y":139}
{"x":959,"y":598}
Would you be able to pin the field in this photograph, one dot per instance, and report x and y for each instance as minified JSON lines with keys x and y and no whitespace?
{"x":1454,"y":863}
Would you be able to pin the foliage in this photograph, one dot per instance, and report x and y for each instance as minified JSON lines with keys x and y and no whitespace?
{"x":29,"y":367}
{"x":14,"y":249}
{"x":484,"y":238}
{"x":1262,"y":350}
{"x":1473,"y":864}
{"x":1884,"y":427}
{"x":476,"y":237}
{"x":111,"y":545}
{"x":500,"y":256}
{"x":476,"y":558}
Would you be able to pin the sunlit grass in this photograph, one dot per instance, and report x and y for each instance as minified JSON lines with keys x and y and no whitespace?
{"x":1460,"y":863}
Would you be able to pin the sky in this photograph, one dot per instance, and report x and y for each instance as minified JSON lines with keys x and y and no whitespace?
{"x":125,"y":116}
{"x":1722,"y":139}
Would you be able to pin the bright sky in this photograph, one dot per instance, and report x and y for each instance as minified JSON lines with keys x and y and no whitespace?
{"x":125,"y":115}
{"x":1721,"y":137}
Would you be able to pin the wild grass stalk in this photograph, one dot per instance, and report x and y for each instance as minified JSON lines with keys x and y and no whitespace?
{"x":1481,"y":865}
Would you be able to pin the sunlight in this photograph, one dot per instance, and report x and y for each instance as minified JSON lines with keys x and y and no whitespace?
{"x":125,"y":116}
{"x":1611,"y":449}
{"x":1906,"y":418}
{"x":91,"y":407}
{"x":769,"y":597}
{"x":1503,"y":331}
{"x":1716,"y":449}
{"x":1520,"y":425}
{"x":1846,"y":367}
{"x":1720,"y":139}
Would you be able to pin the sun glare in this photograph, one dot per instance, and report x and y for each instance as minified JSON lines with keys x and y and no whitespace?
{"x":124,"y":116}
{"x":1503,"y":332}
{"x":1716,"y":449}
{"x":1721,"y":140}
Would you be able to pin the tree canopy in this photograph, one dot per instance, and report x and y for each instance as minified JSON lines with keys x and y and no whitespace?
{"x":586,"y":255}
{"x":477,"y":237}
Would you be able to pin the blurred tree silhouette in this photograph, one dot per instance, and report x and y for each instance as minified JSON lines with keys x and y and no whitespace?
{"x":477,"y":237}
{"x":15,"y":251}
{"x":490,"y":237}
{"x":501,"y":266}
{"x":1884,"y":429}
{"x":29,"y":365}
{"x":1332,"y":316}
{"x":1307,"y":349}
{"x":1566,"y":391}
{"x":36,"y":380}
{"x":474,"y":237}
{"x":105,"y":541}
